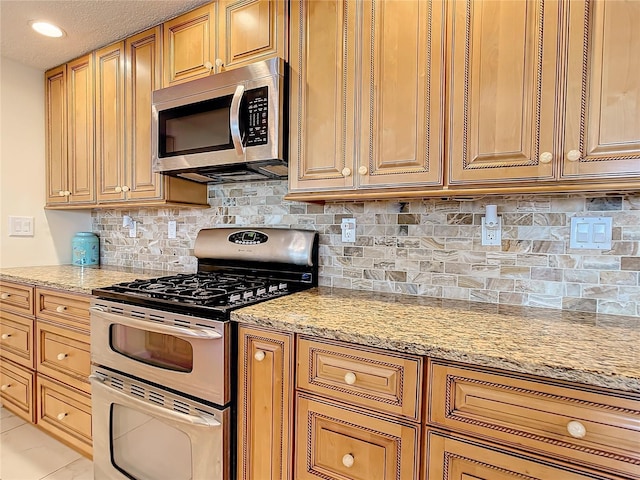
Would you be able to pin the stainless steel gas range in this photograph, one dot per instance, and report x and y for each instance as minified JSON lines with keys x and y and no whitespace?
{"x":163,"y":354}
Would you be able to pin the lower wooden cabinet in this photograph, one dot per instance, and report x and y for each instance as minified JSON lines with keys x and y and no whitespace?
{"x":265,"y":404}
{"x":16,"y":389}
{"x":450,"y":457}
{"x":338,"y":442}
{"x":16,"y":339}
{"x":65,"y":412}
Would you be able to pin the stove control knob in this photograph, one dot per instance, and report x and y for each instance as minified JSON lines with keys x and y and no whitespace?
{"x":261,"y":291}
{"x":282,"y":286}
{"x":234,"y":298}
{"x":247,"y":295}
{"x":273,"y":288}
{"x":259,"y":355}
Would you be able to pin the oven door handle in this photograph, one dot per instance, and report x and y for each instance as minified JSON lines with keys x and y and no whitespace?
{"x":203,"y":420}
{"x":156,"y":327}
{"x":234,"y":120}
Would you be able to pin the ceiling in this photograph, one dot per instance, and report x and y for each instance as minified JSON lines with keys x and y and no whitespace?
{"x":89,"y":24}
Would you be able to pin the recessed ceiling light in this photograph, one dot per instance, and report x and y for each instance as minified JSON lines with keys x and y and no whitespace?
{"x":46,"y":28}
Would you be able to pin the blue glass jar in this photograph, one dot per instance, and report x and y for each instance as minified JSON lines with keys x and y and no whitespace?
{"x":85,"y":249}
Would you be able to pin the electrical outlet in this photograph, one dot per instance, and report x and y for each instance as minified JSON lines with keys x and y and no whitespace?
{"x":171,"y":229}
{"x":348,"y":226}
{"x":491,"y":235}
{"x":133,"y":229}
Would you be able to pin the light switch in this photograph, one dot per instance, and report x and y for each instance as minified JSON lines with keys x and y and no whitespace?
{"x":591,"y":232}
{"x":20,"y":226}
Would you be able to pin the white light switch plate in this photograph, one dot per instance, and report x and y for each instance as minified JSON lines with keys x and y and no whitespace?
{"x":171,"y":233}
{"x":591,"y":233}
{"x":20,"y":226}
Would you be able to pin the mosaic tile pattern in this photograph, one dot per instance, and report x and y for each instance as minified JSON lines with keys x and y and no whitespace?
{"x":426,"y":247}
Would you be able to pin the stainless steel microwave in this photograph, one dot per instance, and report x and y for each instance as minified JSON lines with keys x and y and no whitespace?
{"x":227,"y":127}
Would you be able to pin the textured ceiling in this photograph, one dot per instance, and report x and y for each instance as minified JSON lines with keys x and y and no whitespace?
{"x":89,"y":24}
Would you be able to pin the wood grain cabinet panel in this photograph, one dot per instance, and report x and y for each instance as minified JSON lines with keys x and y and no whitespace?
{"x":602,"y":108}
{"x":337,"y":442}
{"x":457,"y":458}
{"x":251,"y":30}
{"x":16,"y":339}
{"x":265,"y":404}
{"x":70,"y":309}
{"x":57,"y":168}
{"x":594,"y":429}
{"x":386,"y":382}
{"x":16,"y":298}
{"x":17,"y":390}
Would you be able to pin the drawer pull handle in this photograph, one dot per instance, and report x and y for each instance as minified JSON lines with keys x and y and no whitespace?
{"x":61,"y":416}
{"x":5,"y":386}
{"x":61,"y":356}
{"x":576,"y":429}
{"x":5,"y":336}
{"x":4,"y":296}
{"x":61,"y":308}
{"x":348,"y":460}
{"x":259,"y":356}
{"x":350,"y":378}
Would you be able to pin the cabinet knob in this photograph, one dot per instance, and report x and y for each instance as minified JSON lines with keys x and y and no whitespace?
{"x":219,"y":63}
{"x":125,"y":188}
{"x":60,"y":308}
{"x":362,"y":170}
{"x":346,"y":172}
{"x":4,"y":296}
{"x":5,"y":336}
{"x":67,"y":193}
{"x":573,"y":155}
{"x":61,"y":193}
{"x":546,"y":157}
{"x":5,"y":386}
{"x":576,"y":429}
{"x":118,"y":189}
{"x":61,"y":356}
{"x":61,"y":416}
{"x":350,"y":378}
{"x":348,"y":460}
{"x":259,"y":355}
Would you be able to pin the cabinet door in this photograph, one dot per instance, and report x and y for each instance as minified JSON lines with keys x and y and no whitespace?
{"x":323,"y":84}
{"x":189,"y":45}
{"x":452,"y":458}
{"x":110,"y":122}
{"x":143,"y":76}
{"x":402,"y":114}
{"x":55,"y":86}
{"x":265,"y":402}
{"x":251,"y":30}
{"x":81,"y":130}
{"x":503,"y":76}
{"x":602,"y":130}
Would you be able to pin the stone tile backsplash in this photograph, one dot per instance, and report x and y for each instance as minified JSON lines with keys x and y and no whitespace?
{"x":426,"y":247}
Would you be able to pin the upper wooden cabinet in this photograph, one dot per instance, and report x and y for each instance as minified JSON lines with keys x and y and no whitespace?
{"x":393,"y":135}
{"x":189,"y":45}
{"x":251,"y":30}
{"x":69,"y":116}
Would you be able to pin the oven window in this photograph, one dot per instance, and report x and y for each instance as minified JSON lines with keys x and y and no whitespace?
{"x":155,"y":349}
{"x":146,"y":447}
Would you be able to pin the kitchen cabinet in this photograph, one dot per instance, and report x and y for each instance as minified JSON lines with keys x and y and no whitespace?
{"x":189,"y":45}
{"x":69,"y":115}
{"x":265,"y":404}
{"x":251,"y":30}
{"x":358,"y":124}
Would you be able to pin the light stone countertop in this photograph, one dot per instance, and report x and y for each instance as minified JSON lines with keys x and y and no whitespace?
{"x":598,"y":350}
{"x":75,"y":279}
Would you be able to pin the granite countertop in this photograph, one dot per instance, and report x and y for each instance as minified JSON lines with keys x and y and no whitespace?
{"x":598,"y":350}
{"x":73,"y":278}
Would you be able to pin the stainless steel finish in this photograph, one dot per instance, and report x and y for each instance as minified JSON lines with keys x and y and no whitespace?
{"x":234,"y":120}
{"x":207,"y":428}
{"x":208,"y":378}
{"x":210,"y":166}
{"x":283,"y":246}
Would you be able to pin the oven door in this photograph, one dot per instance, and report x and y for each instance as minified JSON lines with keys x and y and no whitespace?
{"x":171,"y":350}
{"x":144,"y":433}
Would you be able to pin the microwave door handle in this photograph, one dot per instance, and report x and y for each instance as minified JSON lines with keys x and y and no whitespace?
{"x":174,"y":330}
{"x":204,"y":420}
{"x":234,"y":120}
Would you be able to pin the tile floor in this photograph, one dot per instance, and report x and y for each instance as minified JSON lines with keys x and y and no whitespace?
{"x":26,"y":453}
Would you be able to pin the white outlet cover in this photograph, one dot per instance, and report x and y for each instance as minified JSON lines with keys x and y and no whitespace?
{"x":348,"y":226}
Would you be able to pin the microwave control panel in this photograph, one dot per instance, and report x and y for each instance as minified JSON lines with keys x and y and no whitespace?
{"x":257,"y":130}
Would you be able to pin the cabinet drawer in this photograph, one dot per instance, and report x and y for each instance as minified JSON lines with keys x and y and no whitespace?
{"x":597,"y":430}
{"x":16,"y":339}
{"x":64,"y":354}
{"x":16,"y":389}
{"x":337,"y":442}
{"x":384,"y":381}
{"x":450,"y":457}
{"x":66,"y":308}
{"x":65,"y":413}
{"x":16,"y":298}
